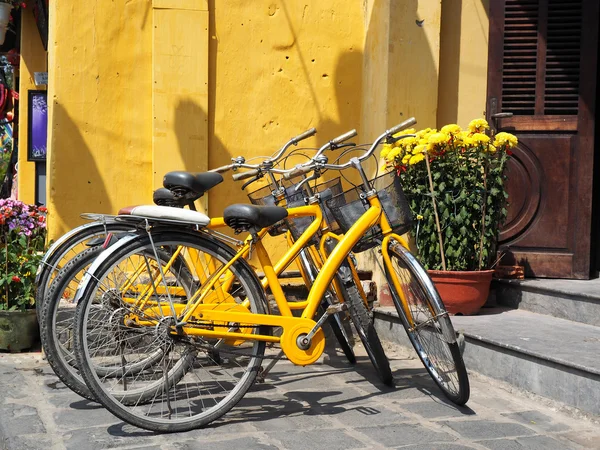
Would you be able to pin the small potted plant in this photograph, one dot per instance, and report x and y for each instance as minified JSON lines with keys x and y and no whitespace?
{"x":22,"y":242}
{"x":455,"y":183}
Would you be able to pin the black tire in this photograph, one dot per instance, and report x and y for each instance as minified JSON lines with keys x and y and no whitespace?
{"x":68,"y":249}
{"x":433,"y":337}
{"x":336,"y":321}
{"x":54,"y":329}
{"x":55,"y":336}
{"x":363,"y":323}
{"x":246,"y":287}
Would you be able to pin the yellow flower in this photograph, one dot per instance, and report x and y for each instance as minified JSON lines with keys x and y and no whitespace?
{"x":492,"y":148}
{"x":505,"y":139}
{"x":421,"y":148}
{"x":395,"y":154}
{"x":406,"y":159}
{"x":416,"y":159}
{"x":438,"y":138}
{"x":424,"y":134}
{"x":480,"y":138}
{"x":451,"y":129}
{"x":419,"y":217}
{"x":478,"y":126}
{"x":385,"y":150}
{"x":465,"y":139}
{"x":403,"y":132}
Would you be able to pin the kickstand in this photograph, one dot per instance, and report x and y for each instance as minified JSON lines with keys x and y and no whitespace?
{"x":264,"y":371}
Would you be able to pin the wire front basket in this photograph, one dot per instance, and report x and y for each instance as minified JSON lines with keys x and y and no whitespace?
{"x":349,"y":206}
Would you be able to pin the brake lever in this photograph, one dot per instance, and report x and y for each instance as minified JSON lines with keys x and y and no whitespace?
{"x":314,"y":176}
{"x":392,"y":139}
{"x":249,"y":182}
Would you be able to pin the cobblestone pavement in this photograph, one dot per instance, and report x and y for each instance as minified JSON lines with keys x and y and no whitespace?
{"x":328,"y":405}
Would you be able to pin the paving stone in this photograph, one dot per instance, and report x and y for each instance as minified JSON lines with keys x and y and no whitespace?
{"x":365,"y":415}
{"x":331,"y":397}
{"x":16,"y":420}
{"x":26,"y":442}
{"x":436,"y":446}
{"x":537,"y":419}
{"x":292,"y":421}
{"x":249,"y":443}
{"x":526,"y":443}
{"x":73,"y":419}
{"x":403,"y":434}
{"x":312,"y":439}
{"x":115,"y":436}
{"x":482,"y":429}
{"x":434,"y":408}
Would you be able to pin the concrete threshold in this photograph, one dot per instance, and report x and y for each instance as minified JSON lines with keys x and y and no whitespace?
{"x":549,"y":356}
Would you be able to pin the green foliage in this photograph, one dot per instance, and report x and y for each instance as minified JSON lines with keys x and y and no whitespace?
{"x":468,"y":184}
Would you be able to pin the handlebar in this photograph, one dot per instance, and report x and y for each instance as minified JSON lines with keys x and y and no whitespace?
{"x":401,"y":126}
{"x":243,"y":175}
{"x":344,"y":137}
{"x":297,"y":171}
{"x":302,"y":136}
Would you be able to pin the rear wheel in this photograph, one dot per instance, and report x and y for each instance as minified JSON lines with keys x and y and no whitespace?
{"x":210,"y":385}
{"x":427,"y":323}
{"x":363,"y":323}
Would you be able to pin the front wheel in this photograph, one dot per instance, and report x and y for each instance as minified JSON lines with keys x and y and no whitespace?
{"x":427,"y":323}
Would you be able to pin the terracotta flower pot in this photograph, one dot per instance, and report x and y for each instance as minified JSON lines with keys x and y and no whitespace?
{"x":462,"y":292}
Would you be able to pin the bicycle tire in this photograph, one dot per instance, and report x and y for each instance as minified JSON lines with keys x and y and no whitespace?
{"x":433,"y":337}
{"x":246,"y":284}
{"x":64,"y":252}
{"x":335,"y":322}
{"x":59,"y":357}
{"x":363,"y":323}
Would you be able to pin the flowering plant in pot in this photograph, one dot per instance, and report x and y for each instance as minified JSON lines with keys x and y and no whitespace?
{"x":22,"y":242}
{"x":454,"y":181}
{"x":5,"y":15}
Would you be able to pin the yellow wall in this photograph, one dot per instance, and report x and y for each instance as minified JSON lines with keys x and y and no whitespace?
{"x":142,"y":87}
{"x":463,"y":61}
{"x":33,"y":59}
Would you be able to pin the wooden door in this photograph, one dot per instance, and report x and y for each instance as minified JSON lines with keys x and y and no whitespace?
{"x":542,"y":69}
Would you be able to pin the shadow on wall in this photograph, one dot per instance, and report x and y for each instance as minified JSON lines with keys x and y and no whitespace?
{"x":74,"y":155}
{"x":191,"y":130}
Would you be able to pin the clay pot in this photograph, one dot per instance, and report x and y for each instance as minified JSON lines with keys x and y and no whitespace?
{"x":19,"y":330}
{"x":462,"y":292}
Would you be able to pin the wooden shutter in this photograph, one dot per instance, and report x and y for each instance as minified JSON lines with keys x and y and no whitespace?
{"x":541,"y":61}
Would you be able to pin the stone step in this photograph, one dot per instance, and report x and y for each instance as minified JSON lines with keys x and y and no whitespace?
{"x":551,"y":357}
{"x":576,"y":300}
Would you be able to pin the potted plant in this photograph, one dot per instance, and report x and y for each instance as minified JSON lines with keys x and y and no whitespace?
{"x":5,"y":15}
{"x":22,"y":242}
{"x":454,"y":181}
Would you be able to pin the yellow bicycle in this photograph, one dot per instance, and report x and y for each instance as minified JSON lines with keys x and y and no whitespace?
{"x":212,"y":345}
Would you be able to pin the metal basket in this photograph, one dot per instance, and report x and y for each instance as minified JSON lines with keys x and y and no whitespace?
{"x":349,"y":206}
{"x":264,"y":197}
{"x":326,"y":190}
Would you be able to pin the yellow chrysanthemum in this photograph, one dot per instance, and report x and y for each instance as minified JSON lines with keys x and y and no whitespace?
{"x":505,"y":139}
{"x":395,"y":154}
{"x":387,"y":148}
{"x":403,"y":132}
{"x":492,"y":148}
{"x":480,"y":138}
{"x":424,"y":134}
{"x":416,"y":159}
{"x":451,"y":129}
{"x":419,"y":149}
{"x":465,"y":139}
{"x":438,"y":138}
{"x":478,"y":126}
{"x":406,"y":159}
{"x":419,"y":217}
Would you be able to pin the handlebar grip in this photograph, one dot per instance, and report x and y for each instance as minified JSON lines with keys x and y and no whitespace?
{"x":401,"y":126}
{"x":221,"y":169}
{"x":243,"y":175}
{"x":305,"y":135}
{"x":298,"y":171}
{"x":344,"y":137}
